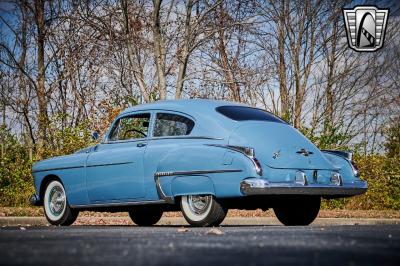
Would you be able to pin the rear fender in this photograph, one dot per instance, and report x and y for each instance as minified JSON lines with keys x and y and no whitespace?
{"x":192,"y":185}
{"x":202,"y":169}
{"x":341,"y":161}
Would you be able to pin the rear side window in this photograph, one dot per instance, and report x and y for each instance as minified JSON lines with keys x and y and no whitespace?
{"x":172,"y":125}
{"x":243,"y":113}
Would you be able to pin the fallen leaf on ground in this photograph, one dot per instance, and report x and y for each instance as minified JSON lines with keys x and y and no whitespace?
{"x":183,"y":230}
{"x":214,"y":231}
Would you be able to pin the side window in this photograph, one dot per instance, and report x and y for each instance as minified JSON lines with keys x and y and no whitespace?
{"x":130,"y":127}
{"x":172,"y":125}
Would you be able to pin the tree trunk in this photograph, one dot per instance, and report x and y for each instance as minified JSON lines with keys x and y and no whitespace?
{"x":183,"y":57}
{"x":226,"y":68}
{"x":159,"y":50}
{"x":138,"y":76}
{"x":282,"y":64}
{"x":331,"y":58}
{"x":41,"y":90}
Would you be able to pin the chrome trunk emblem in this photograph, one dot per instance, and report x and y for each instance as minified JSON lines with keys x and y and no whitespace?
{"x":304,"y":152}
{"x":276,"y":154}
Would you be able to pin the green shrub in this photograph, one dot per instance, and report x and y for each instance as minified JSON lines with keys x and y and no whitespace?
{"x":382,"y":175}
{"x":16,"y":183}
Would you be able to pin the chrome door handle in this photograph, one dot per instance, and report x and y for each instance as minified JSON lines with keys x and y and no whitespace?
{"x":141,"y":144}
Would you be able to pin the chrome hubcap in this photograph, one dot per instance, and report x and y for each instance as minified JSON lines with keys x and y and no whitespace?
{"x":56,"y":200}
{"x":199,"y":204}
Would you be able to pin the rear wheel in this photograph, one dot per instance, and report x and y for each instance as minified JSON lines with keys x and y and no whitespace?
{"x":56,"y":206}
{"x":298,"y":210}
{"x":202,"y":210}
{"x":143,"y":217}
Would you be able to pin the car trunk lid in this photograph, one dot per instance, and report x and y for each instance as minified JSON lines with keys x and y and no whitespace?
{"x":279,"y":145}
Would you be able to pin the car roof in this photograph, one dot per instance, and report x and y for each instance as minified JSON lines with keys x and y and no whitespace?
{"x":193,"y":107}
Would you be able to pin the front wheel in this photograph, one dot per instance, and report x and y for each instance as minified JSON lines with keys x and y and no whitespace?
{"x":202,"y":210}
{"x":56,"y":206}
{"x":298,"y":210}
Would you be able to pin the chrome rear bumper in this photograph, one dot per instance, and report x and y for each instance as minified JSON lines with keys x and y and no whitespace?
{"x":259,"y":186}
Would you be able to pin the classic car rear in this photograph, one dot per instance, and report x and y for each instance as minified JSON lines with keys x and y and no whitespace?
{"x":198,"y":156}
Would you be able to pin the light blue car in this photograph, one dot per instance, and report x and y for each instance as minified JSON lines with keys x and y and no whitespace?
{"x":202,"y":157}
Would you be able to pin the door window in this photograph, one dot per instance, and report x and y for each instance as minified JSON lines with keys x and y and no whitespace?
{"x":172,"y":125}
{"x":130,"y":127}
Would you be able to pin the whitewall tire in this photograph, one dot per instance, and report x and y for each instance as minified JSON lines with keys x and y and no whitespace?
{"x":56,"y":206}
{"x":202,"y":210}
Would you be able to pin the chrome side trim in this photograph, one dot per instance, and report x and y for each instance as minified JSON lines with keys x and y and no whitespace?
{"x":185,"y":137}
{"x":196,"y":172}
{"x":171,"y":200}
{"x":258,"y":186}
{"x":81,"y":166}
{"x":161,"y":193}
{"x":118,"y":204}
{"x":58,"y":168}
{"x":108,"y":164}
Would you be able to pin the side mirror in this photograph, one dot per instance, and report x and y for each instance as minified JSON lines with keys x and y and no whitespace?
{"x":95,"y":135}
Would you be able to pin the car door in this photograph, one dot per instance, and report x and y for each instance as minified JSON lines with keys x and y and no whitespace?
{"x":114,"y":169}
{"x":170,"y":130}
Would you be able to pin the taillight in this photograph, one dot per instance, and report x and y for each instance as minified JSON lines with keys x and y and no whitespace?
{"x":249,"y":152}
{"x":246,"y":150}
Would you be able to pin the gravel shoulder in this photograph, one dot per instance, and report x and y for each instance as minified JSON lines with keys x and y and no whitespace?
{"x":380,"y":214}
{"x":179,"y":221}
{"x":15,"y":216}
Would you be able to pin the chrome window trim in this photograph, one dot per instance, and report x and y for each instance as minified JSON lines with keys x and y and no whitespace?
{"x":124,"y":141}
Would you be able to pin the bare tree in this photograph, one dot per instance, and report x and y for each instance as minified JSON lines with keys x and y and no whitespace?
{"x":159,"y":50}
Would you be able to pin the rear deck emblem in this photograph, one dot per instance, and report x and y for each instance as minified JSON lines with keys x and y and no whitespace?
{"x":276,"y":154}
{"x":365,"y":27}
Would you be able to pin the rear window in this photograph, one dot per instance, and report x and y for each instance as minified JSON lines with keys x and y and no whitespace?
{"x":243,"y":113}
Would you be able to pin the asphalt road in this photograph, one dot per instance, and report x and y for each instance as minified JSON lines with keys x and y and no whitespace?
{"x":169,"y":245}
